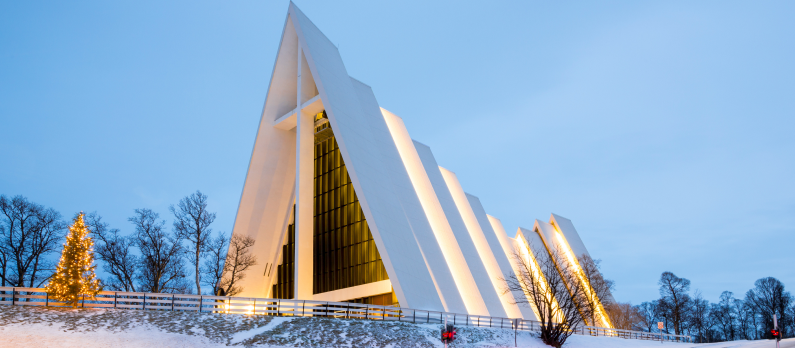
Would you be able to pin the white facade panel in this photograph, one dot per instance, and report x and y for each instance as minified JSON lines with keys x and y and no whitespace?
{"x":447,"y":239}
{"x":491,"y":294}
{"x":570,"y":236}
{"x":478,"y":237}
{"x":438,"y":268}
{"x":439,"y":248}
{"x":570,"y":233}
{"x":268,"y":191}
{"x":393,"y":212}
{"x":493,"y":243}
{"x":509,"y":266}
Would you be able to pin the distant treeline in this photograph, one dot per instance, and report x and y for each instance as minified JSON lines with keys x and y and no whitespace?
{"x":151,"y":258}
{"x":748,"y":318}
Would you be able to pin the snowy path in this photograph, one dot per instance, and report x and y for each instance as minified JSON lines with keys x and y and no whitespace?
{"x":98,"y":328}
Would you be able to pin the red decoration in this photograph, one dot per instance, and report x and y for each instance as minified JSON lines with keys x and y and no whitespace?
{"x":448,"y":334}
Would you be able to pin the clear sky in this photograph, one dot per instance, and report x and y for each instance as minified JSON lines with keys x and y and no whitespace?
{"x":663,"y":130}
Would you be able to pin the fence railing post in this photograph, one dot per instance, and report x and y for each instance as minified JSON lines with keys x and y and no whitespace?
{"x":516,"y":323}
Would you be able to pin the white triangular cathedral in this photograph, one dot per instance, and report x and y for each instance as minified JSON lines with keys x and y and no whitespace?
{"x":345,"y":206}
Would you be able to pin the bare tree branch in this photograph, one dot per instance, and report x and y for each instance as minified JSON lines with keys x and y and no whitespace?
{"x":29,"y":233}
{"x":192,"y":222}
{"x":675,"y":299}
{"x":116,"y":252}
{"x":162,"y":268}
{"x":599,"y":294}
{"x":238,"y":260}
{"x":560,"y":306}
{"x":768,"y":297}
{"x":624,"y":316}
{"x":213,"y":268}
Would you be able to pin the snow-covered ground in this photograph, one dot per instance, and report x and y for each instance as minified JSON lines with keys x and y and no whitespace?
{"x":788,"y":343}
{"x":93,"y":328}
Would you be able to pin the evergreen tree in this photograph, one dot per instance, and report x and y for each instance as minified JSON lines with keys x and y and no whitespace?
{"x":75,"y":276}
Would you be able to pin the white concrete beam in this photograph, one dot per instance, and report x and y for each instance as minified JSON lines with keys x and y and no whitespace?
{"x":288,"y":121}
{"x":354,"y":292}
{"x":436,"y":216}
{"x":304,"y":198}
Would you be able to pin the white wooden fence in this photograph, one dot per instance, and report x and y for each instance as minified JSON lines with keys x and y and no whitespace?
{"x":17,"y":296}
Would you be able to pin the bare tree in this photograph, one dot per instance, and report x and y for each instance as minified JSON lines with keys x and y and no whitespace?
{"x":5,"y":256}
{"x":710,"y":334}
{"x":623,"y":315}
{"x":213,"y":268}
{"x":599,"y":293}
{"x":238,"y":260}
{"x":743,"y":314}
{"x":723,"y":313}
{"x":699,"y":316}
{"x":675,"y":298}
{"x":560,"y":309}
{"x":162,"y":268}
{"x":756,"y":320}
{"x":192,"y":222}
{"x":768,"y":297}
{"x":29,"y":233}
{"x":116,"y":252}
{"x":650,"y":313}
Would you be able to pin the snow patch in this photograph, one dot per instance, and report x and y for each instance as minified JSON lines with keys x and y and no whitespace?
{"x":248,"y":334}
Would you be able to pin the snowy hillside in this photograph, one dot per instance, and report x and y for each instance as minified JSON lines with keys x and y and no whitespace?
{"x":90,"y":328}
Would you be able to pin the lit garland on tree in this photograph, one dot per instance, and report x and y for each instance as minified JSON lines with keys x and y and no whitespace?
{"x":75,"y":276}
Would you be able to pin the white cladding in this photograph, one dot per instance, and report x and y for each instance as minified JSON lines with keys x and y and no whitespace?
{"x":439,"y":248}
{"x":489,"y":293}
{"x":508,"y":264}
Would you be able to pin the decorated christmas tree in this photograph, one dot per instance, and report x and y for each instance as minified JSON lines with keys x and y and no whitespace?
{"x":74,"y":278}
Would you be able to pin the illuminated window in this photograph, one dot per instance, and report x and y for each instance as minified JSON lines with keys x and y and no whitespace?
{"x":345,"y":254}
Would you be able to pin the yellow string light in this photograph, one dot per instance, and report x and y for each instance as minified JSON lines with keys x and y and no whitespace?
{"x":74,"y":277}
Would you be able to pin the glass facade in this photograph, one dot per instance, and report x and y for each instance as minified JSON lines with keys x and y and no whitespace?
{"x":345,"y":254}
{"x":285,"y":272}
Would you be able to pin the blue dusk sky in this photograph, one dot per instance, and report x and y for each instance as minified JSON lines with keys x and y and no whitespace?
{"x":663,"y":130}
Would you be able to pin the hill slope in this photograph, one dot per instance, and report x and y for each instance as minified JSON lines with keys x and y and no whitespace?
{"x":89,"y":328}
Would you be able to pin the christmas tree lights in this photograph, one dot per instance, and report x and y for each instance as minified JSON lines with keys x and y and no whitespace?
{"x":74,"y":278}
